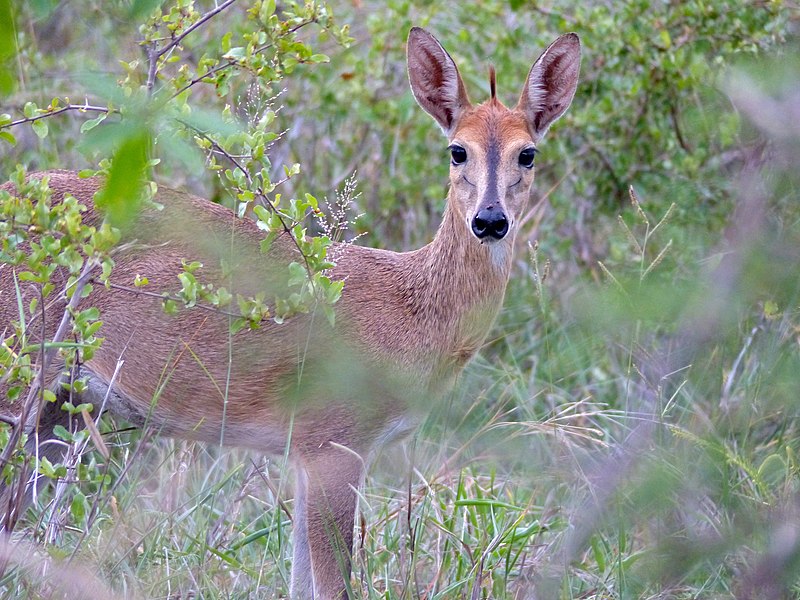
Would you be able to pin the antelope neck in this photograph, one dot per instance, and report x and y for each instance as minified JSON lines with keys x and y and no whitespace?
{"x":456,"y":273}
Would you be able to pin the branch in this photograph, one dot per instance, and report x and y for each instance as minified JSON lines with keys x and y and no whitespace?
{"x":258,"y":189}
{"x":209,"y":15}
{"x":33,"y":401}
{"x":167,"y":296}
{"x":232,"y":62}
{"x":153,"y":54}
{"x":79,"y":107}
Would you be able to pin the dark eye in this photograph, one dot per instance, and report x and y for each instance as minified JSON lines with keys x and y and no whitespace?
{"x":526,"y":157}
{"x":458,"y":154}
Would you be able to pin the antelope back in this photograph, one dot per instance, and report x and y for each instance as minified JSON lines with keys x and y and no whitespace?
{"x":189,"y":376}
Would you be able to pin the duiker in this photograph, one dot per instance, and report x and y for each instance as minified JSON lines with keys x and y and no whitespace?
{"x":406,"y":323}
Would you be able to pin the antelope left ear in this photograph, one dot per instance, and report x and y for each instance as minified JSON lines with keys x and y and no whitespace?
{"x":435,"y":81}
{"x":551,"y":84}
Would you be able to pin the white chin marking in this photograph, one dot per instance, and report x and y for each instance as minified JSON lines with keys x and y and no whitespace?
{"x":499,"y":252}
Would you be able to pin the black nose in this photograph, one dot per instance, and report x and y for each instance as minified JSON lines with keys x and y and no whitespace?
{"x":490,"y":222}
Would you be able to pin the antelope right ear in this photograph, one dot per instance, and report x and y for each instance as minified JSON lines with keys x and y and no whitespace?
{"x":435,"y":81}
{"x":551,"y":84}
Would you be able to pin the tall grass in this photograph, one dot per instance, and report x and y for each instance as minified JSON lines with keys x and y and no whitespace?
{"x":630,"y":431}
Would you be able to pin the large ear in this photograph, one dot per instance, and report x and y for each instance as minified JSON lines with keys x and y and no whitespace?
{"x":551,"y":84}
{"x":435,"y":81}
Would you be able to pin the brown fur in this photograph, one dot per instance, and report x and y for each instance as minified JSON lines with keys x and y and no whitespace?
{"x":406,"y":323}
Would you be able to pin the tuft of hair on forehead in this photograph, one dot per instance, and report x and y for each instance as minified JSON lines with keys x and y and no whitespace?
{"x":492,"y":83}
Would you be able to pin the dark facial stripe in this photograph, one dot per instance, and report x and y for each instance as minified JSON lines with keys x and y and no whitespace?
{"x":492,"y":164}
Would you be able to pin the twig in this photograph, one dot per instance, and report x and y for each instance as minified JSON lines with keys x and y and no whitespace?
{"x":79,"y":107}
{"x":152,"y":67}
{"x":673,"y":113}
{"x":259,"y":191}
{"x":232,"y":62}
{"x":9,"y":420}
{"x":209,"y":15}
{"x":37,"y":386}
{"x":154,"y":53}
{"x":167,"y":296}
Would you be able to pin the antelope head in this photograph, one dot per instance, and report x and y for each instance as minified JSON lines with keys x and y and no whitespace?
{"x":492,"y":147}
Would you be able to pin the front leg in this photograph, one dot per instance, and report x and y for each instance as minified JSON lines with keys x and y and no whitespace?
{"x":324,"y":521}
{"x":302,"y":579}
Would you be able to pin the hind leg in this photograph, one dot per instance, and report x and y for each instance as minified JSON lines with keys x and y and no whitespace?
{"x":42,"y":442}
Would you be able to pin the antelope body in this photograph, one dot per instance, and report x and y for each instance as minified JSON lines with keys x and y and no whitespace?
{"x":406,"y":322}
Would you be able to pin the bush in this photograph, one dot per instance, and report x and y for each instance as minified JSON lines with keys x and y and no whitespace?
{"x":630,"y":429}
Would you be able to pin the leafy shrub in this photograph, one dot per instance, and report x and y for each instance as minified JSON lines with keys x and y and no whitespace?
{"x":631,"y":429}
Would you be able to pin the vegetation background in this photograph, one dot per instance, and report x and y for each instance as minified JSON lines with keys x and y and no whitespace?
{"x":630,"y":430}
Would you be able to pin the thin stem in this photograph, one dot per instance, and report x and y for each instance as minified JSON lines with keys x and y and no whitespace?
{"x":209,"y":15}
{"x":166,"y":296}
{"x":79,"y":107}
{"x":232,"y":62}
{"x":154,"y":54}
{"x":259,"y":190}
{"x":33,"y":401}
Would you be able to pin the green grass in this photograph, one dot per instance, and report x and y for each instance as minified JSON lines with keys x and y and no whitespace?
{"x":629,"y":431}
{"x":514,"y":482}
{"x":561,"y":466}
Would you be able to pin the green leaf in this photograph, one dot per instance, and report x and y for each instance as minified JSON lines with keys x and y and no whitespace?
{"x":191,"y":267}
{"x":666,"y":40}
{"x":92,"y":123}
{"x":62,"y":433}
{"x":330,"y":314}
{"x":238,"y":324}
{"x":46,"y":468}
{"x":225,"y":42}
{"x":8,"y":47}
{"x":78,"y":507}
{"x":170,"y":306}
{"x":297,"y":274}
{"x":334,"y":291}
{"x":40,"y":128}
{"x":224,"y":297}
{"x":235,"y":53}
{"x":267,"y":10}
{"x":189,"y":288}
{"x":121,"y":196}
{"x":90,"y":314}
